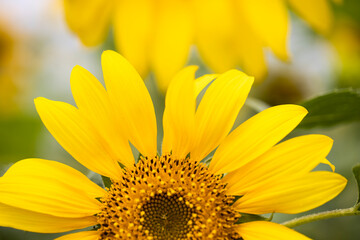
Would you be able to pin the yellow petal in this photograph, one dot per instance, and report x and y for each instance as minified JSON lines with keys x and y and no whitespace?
{"x":249,"y":47}
{"x":218,"y":110}
{"x":267,"y":230}
{"x":269,"y":21}
{"x":41,"y":223}
{"x":133,"y":24}
{"x":169,"y":136}
{"x":50,"y":187}
{"x":255,"y":136}
{"x":214,"y":35}
{"x":93,"y":102}
{"x":316,"y":13}
{"x":293,"y":157}
{"x":77,"y":136}
{"x":89,"y":20}
{"x":293,"y":195}
{"x":179,"y":114}
{"x":200,"y":84}
{"x":132,"y":102}
{"x":86,"y":235}
{"x":172,"y":37}
{"x":253,"y":58}
{"x":203,"y":81}
{"x":325,"y":161}
{"x":225,"y":40}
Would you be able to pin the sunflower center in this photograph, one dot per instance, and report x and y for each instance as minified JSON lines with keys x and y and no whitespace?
{"x":166,"y":217}
{"x":165,"y":198}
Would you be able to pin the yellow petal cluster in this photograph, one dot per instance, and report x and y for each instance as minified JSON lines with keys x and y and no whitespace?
{"x":46,"y":196}
{"x":157,"y":35}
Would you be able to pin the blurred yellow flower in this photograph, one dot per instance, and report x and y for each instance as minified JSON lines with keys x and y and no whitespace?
{"x":156,"y":35}
{"x":175,"y":195}
{"x":9,"y":66}
{"x":346,"y":40}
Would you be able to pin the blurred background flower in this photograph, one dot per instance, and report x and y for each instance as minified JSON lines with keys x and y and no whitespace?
{"x":346,"y":40}
{"x":157,"y":35}
{"x":45,"y":50}
{"x":13,"y":65}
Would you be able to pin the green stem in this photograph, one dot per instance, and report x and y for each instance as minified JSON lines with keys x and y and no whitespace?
{"x":321,"y":216}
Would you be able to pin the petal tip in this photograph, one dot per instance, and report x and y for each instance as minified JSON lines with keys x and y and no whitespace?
{"x":320,"y":138}
{"x":39,"y":101}
{"x":300,"y":108}
{"x":76,"y":69}
{"x":251,"y":79}
{"x":294,"y":108}
{"x":109,"y":54}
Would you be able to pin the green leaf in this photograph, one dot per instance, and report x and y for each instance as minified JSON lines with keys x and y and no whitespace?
{"x":356,"y":171}
{"x":334,"y":108}
{"x":245,"y":217}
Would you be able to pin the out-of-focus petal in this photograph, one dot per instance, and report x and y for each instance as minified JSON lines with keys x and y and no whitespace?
{"x":133,"y":29}
{"x":317,"y":13}
{"x":249,"y":47}
{"x":214,"y":36}
{"x":172,"y":37}
{"x":89,"y":19}
{"x":269,"y":21}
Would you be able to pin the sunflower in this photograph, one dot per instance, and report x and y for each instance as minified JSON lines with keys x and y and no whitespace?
{"x":180,"y":194}
{"x":157,"y":35}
